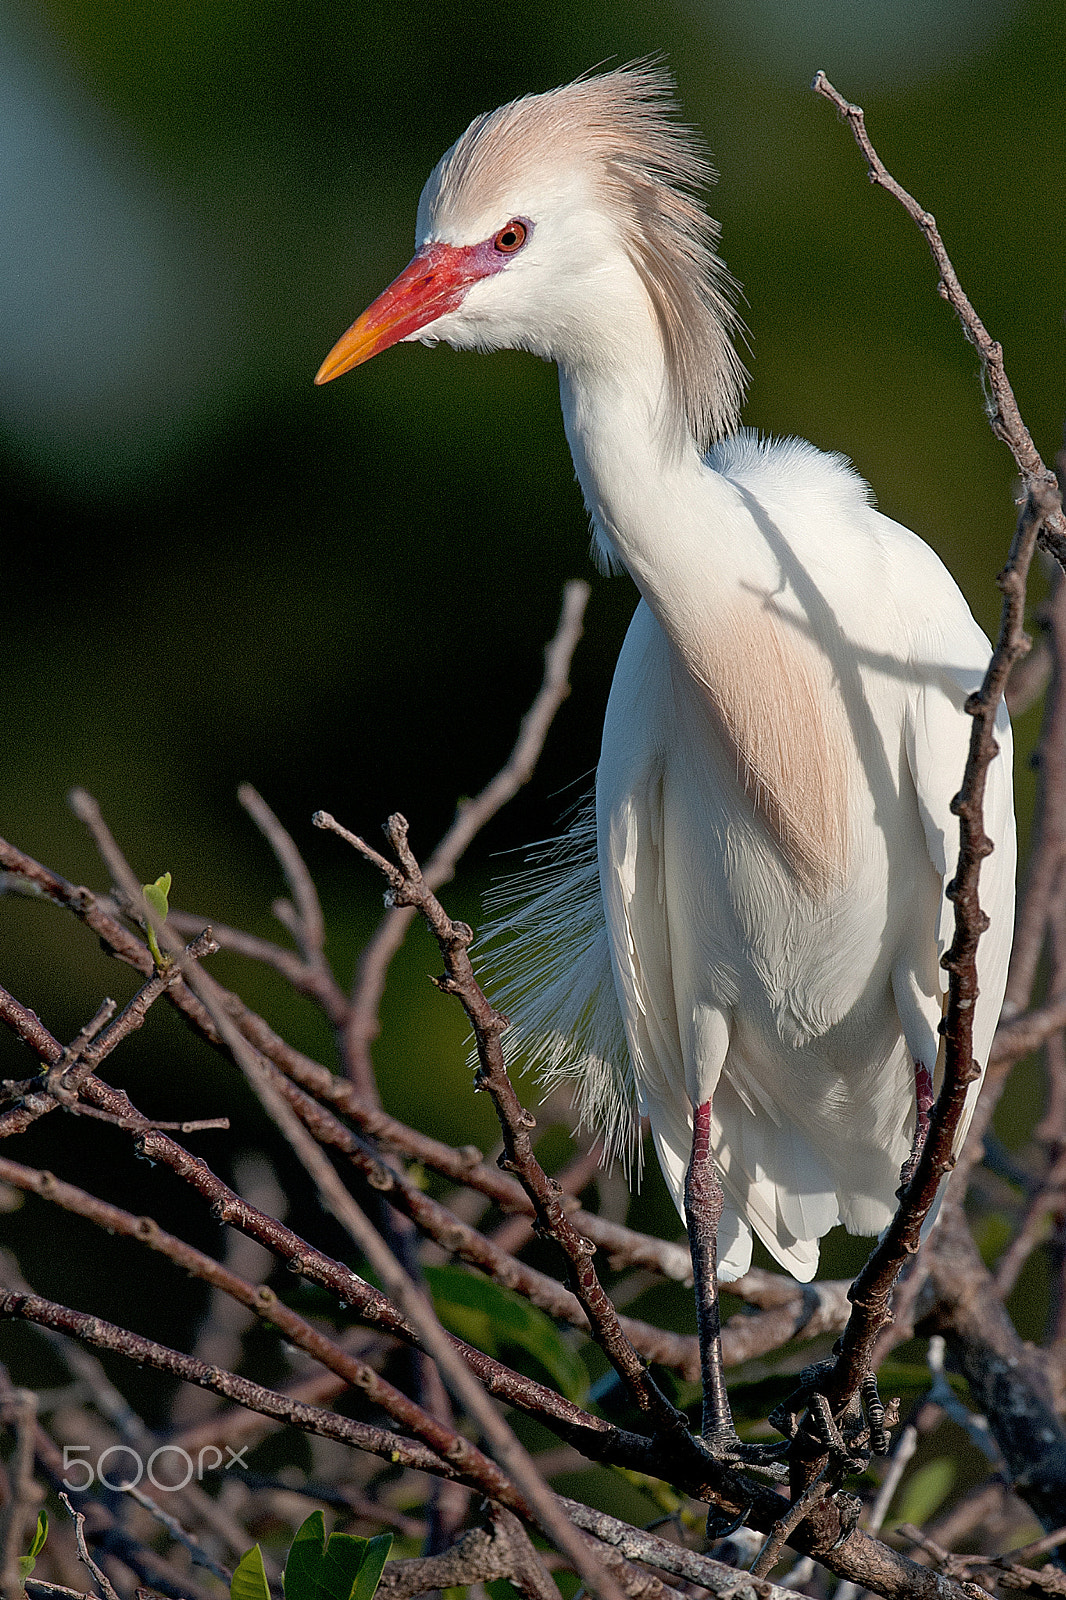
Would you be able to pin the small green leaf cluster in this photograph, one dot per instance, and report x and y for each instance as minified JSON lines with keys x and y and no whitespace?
{"x":341,"y":1567}
{"x":29,"y":1560}
{"x":157,"y":895}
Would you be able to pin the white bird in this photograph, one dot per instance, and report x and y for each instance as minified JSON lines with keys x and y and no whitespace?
{"x":747,"y":948}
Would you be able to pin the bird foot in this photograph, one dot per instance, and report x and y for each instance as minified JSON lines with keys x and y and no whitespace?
{"x":862,"y":1431}
{"x":725,"y":1448}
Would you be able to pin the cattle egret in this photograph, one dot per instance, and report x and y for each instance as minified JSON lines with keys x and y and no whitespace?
{"x":745,"y":947}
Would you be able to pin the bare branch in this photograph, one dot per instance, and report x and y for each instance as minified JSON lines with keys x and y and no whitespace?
{"x":1041,"y":517}
{"x":1004,"y":416}
{"x":148,"y":1353}
{"x":308,"y":925}
{"x":408,"y":887}
{"x":1007,"y":1379}
{"x":872,"y":1289}
{"x":689,"y":1565}
{"x":83,"y":1551}
{"x":363,"y":1026}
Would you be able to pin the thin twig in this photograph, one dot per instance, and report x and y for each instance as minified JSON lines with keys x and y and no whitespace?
{"x":407,"y":887}
{"x":104,"y":1335}
{"x":138,"y":1124}
{"x":1003,"y":414}
{"x":693,"y":1567}
{"x":515,"y":1460}
{"x":798,"y":1511}
{"x":363,"y":1025}
{"x":435,"y":1221}
{"x":308,"y":926}
{"x":83,"y":1550}
{"x":1041,"y":512}
{"x":37,"y":1589}
{"x":200,"y":1556}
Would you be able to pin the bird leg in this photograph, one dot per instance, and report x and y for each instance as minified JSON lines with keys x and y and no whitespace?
{"x":923,"y":1095}
{"x":703,"y":1212}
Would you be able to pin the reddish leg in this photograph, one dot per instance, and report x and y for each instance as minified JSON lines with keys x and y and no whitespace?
{"x":703,"y":1212}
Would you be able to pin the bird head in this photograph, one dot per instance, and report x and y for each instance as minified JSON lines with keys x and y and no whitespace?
{"x":569,"y":224}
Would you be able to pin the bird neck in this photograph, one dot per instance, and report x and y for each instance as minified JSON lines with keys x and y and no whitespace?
{"x":656,"y":506}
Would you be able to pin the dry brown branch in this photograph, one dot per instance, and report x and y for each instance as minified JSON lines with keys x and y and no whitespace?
{"x":689,"y":1565}
{"x":856,"y":1557}
{"x":407,"y":887}
{"x":362,"y":1025}
{"x":1008,"y":1381}
{"x":265,"y":1304}
{"x":416,"y":1306}
{"x":1004,"y":417}
{"x":534,"y":1499}
{"x":872,"y":1289}
{"x":483,"y":1555}
{"x":303,"y":917}
{"x":37,"y":1589}
{"x":79,"y":1533}
{"x":435,"y":1221}
{"x":1040,"y":519}
{"x":102,"y":1335}
{"x":302,"y":1257}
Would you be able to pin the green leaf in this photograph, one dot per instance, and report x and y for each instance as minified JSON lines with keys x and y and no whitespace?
{"x":157,"y":897}
{"x":489,"y":1316}
{"x":249,"y":1581}
{"x":925,"y":1491}
{"x":371,"y":1566}
{"x":29,"y":1561}
{"x":340,"y":1568}
{"x":300,"y":1580}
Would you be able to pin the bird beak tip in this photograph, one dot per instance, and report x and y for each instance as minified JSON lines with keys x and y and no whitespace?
{"x":428,"y":287}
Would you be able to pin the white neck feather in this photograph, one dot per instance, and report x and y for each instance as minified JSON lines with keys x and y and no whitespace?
{"x":657,"y":508}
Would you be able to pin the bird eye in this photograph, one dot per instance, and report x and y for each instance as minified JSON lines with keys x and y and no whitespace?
{"x":511,"y":238}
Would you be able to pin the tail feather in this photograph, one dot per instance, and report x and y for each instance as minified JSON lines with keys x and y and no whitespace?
{"x":547,"y":958}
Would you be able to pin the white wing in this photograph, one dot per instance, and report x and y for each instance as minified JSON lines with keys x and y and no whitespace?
{"x":937,"y":745}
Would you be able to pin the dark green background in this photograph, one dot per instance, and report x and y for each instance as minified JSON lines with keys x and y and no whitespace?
{"x":213,"y":571}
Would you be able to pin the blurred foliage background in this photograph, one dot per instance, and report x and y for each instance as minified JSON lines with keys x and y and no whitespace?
{"x":212,"y":571}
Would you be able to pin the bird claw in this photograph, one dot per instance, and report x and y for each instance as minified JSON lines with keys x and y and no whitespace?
{"x":726,"y":1449}
{"x":863,"y":1429}
{"x":723,"y":1524}
{"x":849,"y":1509}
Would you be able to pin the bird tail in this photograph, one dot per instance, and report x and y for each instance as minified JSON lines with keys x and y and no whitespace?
{"x":547,"y":964}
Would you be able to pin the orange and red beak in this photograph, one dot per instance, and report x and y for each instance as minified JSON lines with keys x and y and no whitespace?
{"x":434,"y":282}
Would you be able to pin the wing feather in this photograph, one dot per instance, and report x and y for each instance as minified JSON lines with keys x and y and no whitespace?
{"x":937,"y":746}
